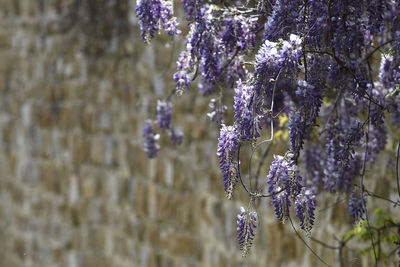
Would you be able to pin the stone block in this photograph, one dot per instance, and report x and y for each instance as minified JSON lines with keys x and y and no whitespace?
{"x":79,"y":145}
{"x":97,"y":149}
{"x":141,"y":200}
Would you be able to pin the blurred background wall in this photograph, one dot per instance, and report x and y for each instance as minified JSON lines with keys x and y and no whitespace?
{"x":76,"y":189}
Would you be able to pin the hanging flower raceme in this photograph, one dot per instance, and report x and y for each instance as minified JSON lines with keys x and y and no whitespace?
{"x":304,"y":117}
{"x":247,"y":222}
{"x":343,"y":163}
{"x":228,"y":145}
{"x":283,"y":20}
{"x":377,"y":141}
{"x":357,"y":204}
{"x":246,"y":118}
{"x":313,"y":165}
{"x":164,"y":114}
{"x":151,"y":146}
{"x":175,"y":136}
{"x":274,"y":59}
{"x":305,"y":209}
{"x":155,"y":13}
{"x":192,"y":7}
{"x":284,"y":187}
{"x":311,"y":50}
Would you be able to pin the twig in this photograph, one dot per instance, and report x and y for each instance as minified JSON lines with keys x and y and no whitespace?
{"x":238,"y":172}
{"x":260,"y":164}
{"x":377,"y":48}
{"x":362,"y":179}
{"x":397,"y":168}
{"x":372,"y":194}
{"x":305,"y":243}
{"x":323,"y":244}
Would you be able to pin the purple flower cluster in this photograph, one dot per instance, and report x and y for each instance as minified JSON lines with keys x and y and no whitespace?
{"x":151,"y":146}
{"x":283,"y":19}
{"x":239,"y":33}
{"x":228,"y":145}
{"x":272,"y":59}
{"x":175,"y":136}
{"x":305,"y":208}
{"x":248,"y":123}
{"x":246,"y":230}
{"x":343,"y":163}
{"x":164,"y":114}
{"x":377,"y":141}
{"x":183,"y":75}
{"x":280,"y":197}
{"x":214,"y":40}
{"x":163,"y":123}
{"x":313,"y":166}
{"x":284,"y":186}
{"x":309,"y":50}
{"x":152,"y":14}
{"x":192,"y":7}
{"x":357,"y":204}
{"x":389,"y":74}
{"x":304,"y":117}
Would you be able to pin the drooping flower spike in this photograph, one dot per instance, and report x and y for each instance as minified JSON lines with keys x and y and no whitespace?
{"x":247,"y":222}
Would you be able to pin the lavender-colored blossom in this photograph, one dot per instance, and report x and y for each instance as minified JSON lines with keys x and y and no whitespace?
{"x":305,"y":208}
{"x":274,"y":58}
{"x":175,"y":136}
{"x":247,"y":225}
{"x":239,"y":32}
{"x":314,"y":160}
{"x":215,"y":46}
{"x":236,"y":70}
{"x":283,"y":184}
{"x":246,"y":119}
{"x":283,"y":20}
{"x":304,"y":117}
{"x":376,"y":141}
{"x":236,"y":36}
{"x":389,"y":71}
{"x":192,"y":7}
{"x":228,"y":145}
{"x":281,"y":203}
{"x":183,"y":76}
{"x":210,"y":63}
{"x":164,"y":114}
{"x":343,"y":163}
{"x":152,"y":14}
{"x":357,"y":204}
{"x":346,"y":33}
{"x":151,"y":146}
{"x":187,"y":61}
{"x":376,"y":11}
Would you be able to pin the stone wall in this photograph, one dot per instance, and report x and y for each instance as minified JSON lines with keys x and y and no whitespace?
{"x":76,"y":189}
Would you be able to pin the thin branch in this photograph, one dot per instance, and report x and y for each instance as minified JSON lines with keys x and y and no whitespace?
{"x":305,"y":243}
{"x":362,"y":178}
{"x":372,"y":194}
{"x":323,"y":244}
{"x":260,"y":164}
{"x":377,"y":48}
{"x":271,"y":112}
{"x":397,"y":168}
{"x":238,"y":172}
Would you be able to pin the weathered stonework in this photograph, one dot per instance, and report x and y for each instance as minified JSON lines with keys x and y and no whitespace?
{"x":76,"y":189}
